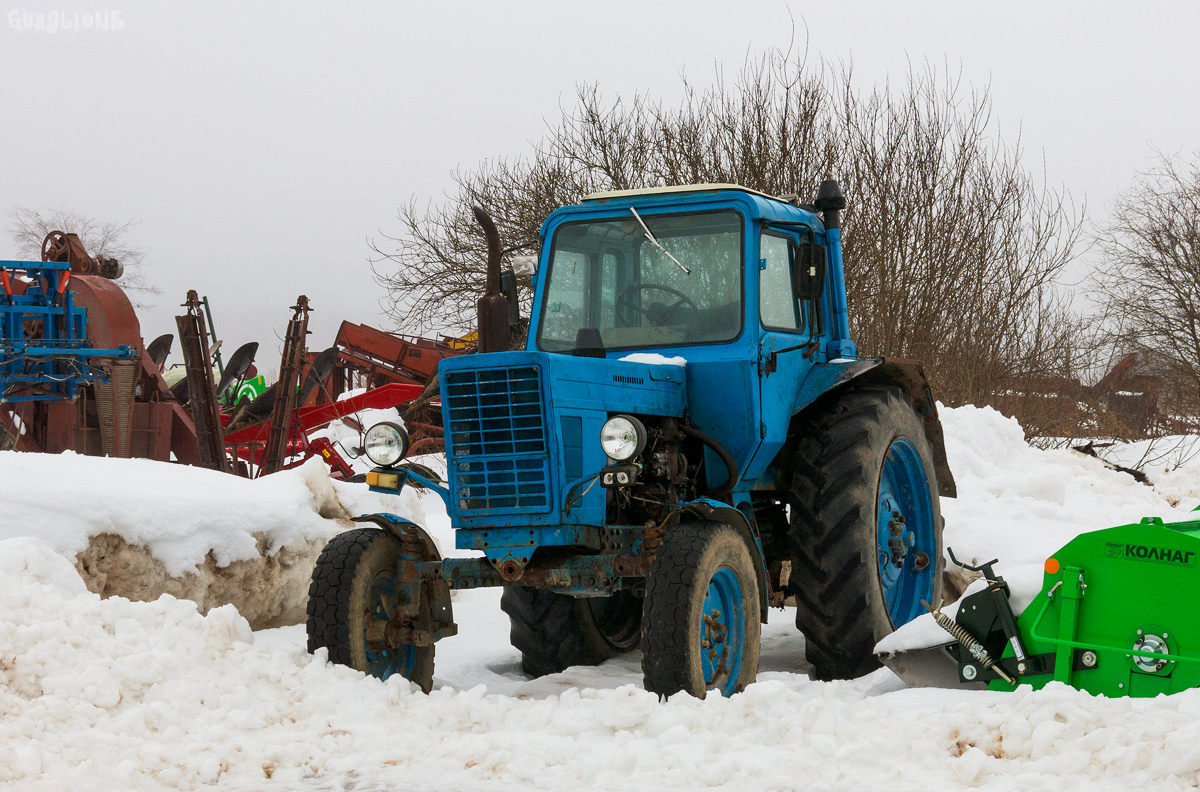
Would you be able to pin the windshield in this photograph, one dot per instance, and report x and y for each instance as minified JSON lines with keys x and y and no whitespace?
{"x":607,"y":275}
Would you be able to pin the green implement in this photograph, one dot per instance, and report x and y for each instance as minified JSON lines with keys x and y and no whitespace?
{"x":1118,"y":615}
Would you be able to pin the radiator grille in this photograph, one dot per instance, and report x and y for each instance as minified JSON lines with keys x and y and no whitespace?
{"x":497,"y":451}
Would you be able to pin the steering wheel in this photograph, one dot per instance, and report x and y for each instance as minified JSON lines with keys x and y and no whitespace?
{"x":657,"y":313}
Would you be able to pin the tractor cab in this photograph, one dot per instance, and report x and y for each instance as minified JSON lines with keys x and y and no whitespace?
{"x":678,"y":270}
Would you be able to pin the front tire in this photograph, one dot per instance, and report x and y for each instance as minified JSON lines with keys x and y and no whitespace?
{"x":350,"y":602}
{"x":866,"y":528}
{"x":554,"y":631}
{"x":701,"y":628}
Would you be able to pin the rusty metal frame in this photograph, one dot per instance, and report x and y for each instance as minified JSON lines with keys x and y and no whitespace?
{"x":202,"y":391}
{"x":283,"y":414}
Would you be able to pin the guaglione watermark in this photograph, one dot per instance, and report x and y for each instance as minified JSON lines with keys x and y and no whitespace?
{"x":102,"y":20}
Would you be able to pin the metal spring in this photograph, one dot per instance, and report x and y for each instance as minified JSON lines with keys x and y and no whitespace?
{"x":960,"y":634}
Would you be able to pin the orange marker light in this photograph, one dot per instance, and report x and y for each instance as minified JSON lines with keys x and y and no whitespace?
{"x":1052,"y":566}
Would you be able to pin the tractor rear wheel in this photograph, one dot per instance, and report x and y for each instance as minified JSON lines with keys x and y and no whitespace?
{"x":554,"y":631}
{"x":702,"y":628}
{"x":866,"y":527}
{"x":350,"y":602}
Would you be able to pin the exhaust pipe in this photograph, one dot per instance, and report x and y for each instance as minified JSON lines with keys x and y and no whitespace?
{"x":492,"y":307}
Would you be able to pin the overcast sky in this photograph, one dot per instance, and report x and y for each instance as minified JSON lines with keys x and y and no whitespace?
{"x":259,"y":145}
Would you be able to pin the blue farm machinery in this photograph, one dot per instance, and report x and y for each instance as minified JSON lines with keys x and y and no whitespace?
{"x":687,"y":437}
{"x":74,"y":373}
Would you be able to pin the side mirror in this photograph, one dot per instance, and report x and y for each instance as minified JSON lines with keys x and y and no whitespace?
{"x":808,"y":270}
{"x":508,"y":287}
{"x":525,"y":266}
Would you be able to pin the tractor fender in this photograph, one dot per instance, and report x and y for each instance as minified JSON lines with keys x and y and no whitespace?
{"x":909,"y":376}
{"x":716,"y":511}
{"x":403,"y":528}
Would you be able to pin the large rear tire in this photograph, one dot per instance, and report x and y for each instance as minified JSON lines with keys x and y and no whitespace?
{"x":866,"y":527}
{"x":350,"y":601}
{"x":554,"y":631}
{"x":701,"y":628}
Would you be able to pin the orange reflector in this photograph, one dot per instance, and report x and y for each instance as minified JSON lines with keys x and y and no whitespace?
{"x":1052,"y":566}
{"x":383,"y":480}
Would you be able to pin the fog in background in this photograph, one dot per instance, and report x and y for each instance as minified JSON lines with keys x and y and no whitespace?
{"x":259,"y":146}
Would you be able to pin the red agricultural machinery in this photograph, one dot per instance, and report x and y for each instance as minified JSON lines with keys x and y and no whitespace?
{"x":103,"y":393}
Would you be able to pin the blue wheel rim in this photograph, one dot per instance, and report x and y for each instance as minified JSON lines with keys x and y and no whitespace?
{"x":382,"y":661}
{"x":904,"y":507}
{"x":722,"y":632}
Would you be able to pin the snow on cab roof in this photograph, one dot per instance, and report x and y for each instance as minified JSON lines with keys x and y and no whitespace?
{"x":681,"y":188}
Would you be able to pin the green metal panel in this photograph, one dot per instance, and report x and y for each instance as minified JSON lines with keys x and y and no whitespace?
{"x":1112,"y":597}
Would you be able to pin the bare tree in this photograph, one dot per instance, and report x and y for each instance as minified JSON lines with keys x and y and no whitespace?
{"x":953,"y":250}
{"x":768,"y":131}
{"x":29,"y":226}
{"x":1149,"y":278}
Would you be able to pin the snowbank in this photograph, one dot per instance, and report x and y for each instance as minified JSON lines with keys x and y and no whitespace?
{"x":1020,"y":504}
{"x":116,"y":694}
{"x":138,"y":528}
{"x":108,"y":693}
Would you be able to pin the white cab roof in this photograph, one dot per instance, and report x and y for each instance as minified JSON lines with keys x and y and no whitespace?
{"x":682,"y":188}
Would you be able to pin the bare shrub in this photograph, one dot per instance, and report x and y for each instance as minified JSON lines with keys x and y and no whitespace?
{"x":953,"y":251}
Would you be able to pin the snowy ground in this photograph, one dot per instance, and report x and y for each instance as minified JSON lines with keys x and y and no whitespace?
{"x":107,"y":693}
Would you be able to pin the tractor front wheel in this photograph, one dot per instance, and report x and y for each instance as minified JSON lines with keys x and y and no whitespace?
{"x":351,"y":601}
{"x":701,"y":628}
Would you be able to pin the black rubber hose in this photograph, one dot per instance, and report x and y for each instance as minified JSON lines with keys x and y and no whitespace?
{"x":727,"y":488}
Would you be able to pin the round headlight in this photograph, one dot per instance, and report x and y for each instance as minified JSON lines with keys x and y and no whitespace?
{"x":622,"y":437}
{"x":385,"y":444}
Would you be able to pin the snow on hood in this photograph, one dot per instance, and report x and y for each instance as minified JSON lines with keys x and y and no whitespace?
{"x":655,"y":359}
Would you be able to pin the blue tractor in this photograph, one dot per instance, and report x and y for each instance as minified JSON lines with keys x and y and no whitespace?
{"x":687,"y":438}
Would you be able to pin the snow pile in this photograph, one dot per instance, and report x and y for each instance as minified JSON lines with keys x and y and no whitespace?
{"x":139,"y":528}
{"x":1169,"y":462}
{"x":1020,"y":504}
{"x":107,"y":693}
{"x":180,"y":513}
{"x":114,"y":694}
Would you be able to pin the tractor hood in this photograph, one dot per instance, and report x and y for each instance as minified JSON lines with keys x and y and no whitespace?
{"x":523,"y":427}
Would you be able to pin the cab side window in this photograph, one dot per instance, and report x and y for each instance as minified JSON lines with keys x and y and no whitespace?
{"x":777,"y":305}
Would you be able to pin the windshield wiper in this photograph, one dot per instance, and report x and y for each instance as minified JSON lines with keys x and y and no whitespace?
{"x":656,"y":243}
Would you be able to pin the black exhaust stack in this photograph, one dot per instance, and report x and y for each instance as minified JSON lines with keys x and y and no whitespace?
{"x":830,"y":203}
{"x":493,"y":335}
